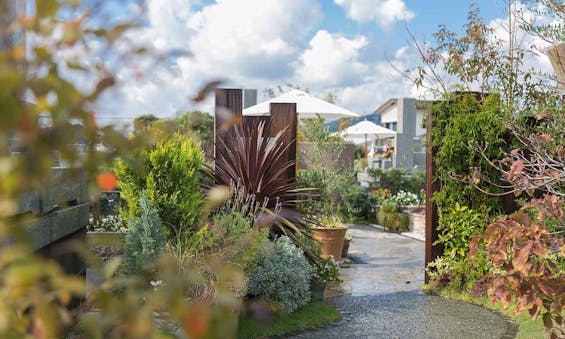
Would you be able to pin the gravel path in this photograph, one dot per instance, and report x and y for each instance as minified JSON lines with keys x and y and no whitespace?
{"x":382,"y":297}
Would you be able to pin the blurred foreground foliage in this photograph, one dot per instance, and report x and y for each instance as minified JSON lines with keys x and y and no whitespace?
{"x":43,"y":115}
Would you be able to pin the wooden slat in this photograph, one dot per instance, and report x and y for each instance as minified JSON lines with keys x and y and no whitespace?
{"x":284,"y":117}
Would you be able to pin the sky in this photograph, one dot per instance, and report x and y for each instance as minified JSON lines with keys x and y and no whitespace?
{"x":340,"y":46}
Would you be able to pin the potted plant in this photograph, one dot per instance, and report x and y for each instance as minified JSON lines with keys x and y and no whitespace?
{"x":106,"y":236}
{"x":325,"y":272}
{"x":346,"y":242}
{"x":330,"y":232}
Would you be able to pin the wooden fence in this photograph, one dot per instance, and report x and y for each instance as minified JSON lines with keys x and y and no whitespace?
{"x":228,"y":110}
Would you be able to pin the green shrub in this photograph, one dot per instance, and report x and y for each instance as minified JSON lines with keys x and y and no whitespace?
{"x":283,"y":276}
{"x":171,"y":177}
{"x":335,"y":192}
{"x":241,"y":244}
{"x":460,"y":274}
{"x":398,"y":179}
{"x":327,"y":271}
{"x":461,"y":121}
{"x":145,"y":238}
{"x":389,"y":206}
{"x":391,"y":218}
{"x":457,"y":227}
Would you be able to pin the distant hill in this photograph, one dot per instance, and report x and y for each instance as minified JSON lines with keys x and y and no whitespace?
{"x":334,"y":125}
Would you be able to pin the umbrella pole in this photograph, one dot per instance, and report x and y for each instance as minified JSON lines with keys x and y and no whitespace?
{"x":366,"y":153}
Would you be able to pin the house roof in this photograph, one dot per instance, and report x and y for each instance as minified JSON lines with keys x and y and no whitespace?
{"x":420,"y":104}
{"x":382,"y":108}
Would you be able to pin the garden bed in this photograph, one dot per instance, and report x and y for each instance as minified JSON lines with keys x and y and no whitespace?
{"x":314,"y":315}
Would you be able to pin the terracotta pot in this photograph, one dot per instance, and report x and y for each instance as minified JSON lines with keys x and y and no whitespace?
{"x":345,"y":249}
{"x":331,"y":240}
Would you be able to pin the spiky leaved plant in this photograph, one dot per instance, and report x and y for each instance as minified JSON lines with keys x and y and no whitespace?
{"x":249,"y":156}
{"x":253,"y":164}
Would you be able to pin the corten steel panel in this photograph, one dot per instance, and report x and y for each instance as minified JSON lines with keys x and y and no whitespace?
{"x":229,"y":104}
{"x":284,"y":118}
{"x":432,"y":186}
{"x":228,"y":109}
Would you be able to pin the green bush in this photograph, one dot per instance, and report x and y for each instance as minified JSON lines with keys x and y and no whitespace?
{"x":398,"y":179}
{"x":457,"y":227}
{"x":460,"y":274}
{"x":283,"y":276}
{"x":462,"y":122}
{"x":389,"y":206}
{"x":335,"y":192}
{"x":395,"y":222}
{"x":389,"y":217}
{"x":241,"y":244}
{"x":145,"y":238}
{"x":327,"y":271}
{"x":171,"y":177}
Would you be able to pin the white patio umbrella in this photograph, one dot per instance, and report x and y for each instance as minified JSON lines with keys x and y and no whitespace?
{"x":307,"y":106}
{"x":368,"y":129}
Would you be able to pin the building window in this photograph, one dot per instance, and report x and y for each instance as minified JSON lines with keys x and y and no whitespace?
{"x":391,"y":125}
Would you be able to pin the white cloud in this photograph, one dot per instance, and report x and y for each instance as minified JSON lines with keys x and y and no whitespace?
{"x":247,"y":42}
{"x":382,"y":12}
{"x":331,"y":60}
{"x":385,"y":82}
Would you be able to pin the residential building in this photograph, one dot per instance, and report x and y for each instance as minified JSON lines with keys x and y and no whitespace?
{"x":406,"y":116}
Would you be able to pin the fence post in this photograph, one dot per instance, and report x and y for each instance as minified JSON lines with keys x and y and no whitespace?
{"x":432,"y":186}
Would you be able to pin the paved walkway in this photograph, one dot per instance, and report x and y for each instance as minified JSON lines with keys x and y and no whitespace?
{"x":382,"y":297}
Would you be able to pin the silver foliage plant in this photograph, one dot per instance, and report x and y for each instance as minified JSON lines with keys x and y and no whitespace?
{"x":283,"y":276}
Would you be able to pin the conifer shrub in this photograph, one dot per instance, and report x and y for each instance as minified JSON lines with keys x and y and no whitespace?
{"x":171,"y":176}
{"x":283,"y":276}
{"x":145,"y":238}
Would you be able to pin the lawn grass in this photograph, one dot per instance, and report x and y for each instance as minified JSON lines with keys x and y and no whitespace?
{"x":315,"y":314}
{"x":529,"y":329}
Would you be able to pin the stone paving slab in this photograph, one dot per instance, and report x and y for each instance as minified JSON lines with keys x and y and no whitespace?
{"x":390,"y":263}
{"x":382,"y":297}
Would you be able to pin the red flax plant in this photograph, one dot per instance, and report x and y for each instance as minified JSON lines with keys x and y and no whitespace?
{"x":528,"y":247}
{"x":253,"y":163}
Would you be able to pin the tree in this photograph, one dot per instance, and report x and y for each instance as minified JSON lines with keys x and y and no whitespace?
{"x":143,"y":121}
{"x":479,"y":60}
{"x":527,"y":249}
{"x":39,"y":51}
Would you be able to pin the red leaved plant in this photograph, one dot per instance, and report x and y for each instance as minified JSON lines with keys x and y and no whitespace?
{"x":529,"y":258}
{"x":249,"y":158}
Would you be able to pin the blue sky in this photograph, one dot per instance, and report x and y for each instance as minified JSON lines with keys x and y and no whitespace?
{"x":339,"y":46}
